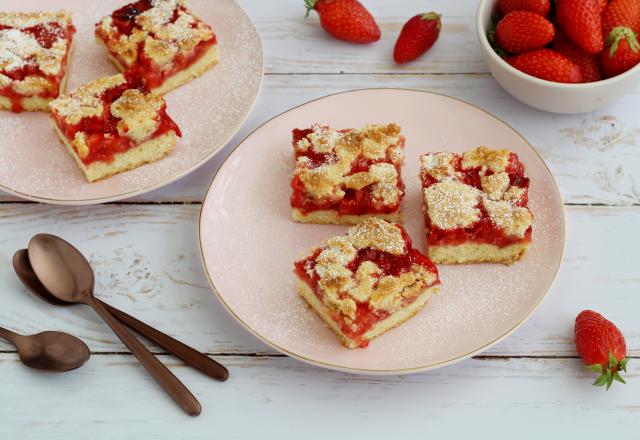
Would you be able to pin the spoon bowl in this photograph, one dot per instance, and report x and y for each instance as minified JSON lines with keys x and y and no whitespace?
{"x":23,"y":269}
{"x":49,"y":351}
{"x":61,"y":269}
{"x":54,"y":351}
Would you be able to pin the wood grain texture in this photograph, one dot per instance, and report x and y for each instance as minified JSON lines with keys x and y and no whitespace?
{"x":147,"y":264}
{"x":112,"y":397}
{"x":293,"y":44}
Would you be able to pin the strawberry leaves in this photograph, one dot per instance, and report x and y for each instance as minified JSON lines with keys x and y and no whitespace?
{"x":609,"y":372}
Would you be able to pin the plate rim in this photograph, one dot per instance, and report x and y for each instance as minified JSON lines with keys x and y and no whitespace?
{"x":383,"y":372}
{"x":174,"y":177}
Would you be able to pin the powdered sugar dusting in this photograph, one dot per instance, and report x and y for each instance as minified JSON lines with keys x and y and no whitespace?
{"x":250,"y":243}
{"x":225,"y":96}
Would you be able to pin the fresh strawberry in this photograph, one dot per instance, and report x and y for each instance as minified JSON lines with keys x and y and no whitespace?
{"x":601,"y":346}
{"x":522,"y":31}
{"x":417,"y":36}
{"x":346,"y":20}
{"x":547,"y":64}
{"x":540,"y":7}
{"x":589,"y":64}
{"x":622,"y":52}
{"x":621,"y":13}
{"x":581,"y":20}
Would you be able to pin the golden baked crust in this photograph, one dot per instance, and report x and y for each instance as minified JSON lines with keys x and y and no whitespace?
{"x":153,"y":38}
{"x":366,"y":160}
{"x":34,"y":51}
{"x":348,"y":279}
{"x":462,"y":191}
{"x":126,"y":126}
{"x":86,"y":101}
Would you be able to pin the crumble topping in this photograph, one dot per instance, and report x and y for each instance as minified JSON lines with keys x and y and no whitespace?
{"x":85,"y":101}
{"x":19,"y":49}
{"x":32,"y":85}
{"x":514,"y":220}
{"x":495,"y":185}
{"x":28,"y":19}
{"x":138,"y":113}
{"x":80,"y":144}
{"x":494,"y":160}
{"x":438,"y":165}
{"x":377,"y":234}
{"x":342,"y":288}
{"x":452,"y":203}
{"x":392,"y":291}
{"x":328,"y":180}
{"x":167,"y":29}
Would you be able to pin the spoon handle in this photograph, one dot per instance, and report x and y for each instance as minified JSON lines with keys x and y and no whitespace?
{"x":171,"y":384}
{"x":8,"y":335}
{"x":189,"y":355}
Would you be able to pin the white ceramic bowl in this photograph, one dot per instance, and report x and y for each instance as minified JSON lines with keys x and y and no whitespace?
{"x":547,"y":95}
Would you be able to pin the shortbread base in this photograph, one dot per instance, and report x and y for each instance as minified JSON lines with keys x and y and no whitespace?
{"x":204,"y":63}
{"x":392,"y":321}
{"x":147,"y":152}
{"x":331,"y":217}
{"x":477,"y":253}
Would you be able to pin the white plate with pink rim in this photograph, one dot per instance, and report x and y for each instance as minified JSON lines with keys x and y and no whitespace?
{"x":249,"y":242}
{"x":209,"y":110}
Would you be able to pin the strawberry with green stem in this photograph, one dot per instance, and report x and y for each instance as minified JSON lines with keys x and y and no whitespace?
{"x":621,"y":53}
{"x":417,"y":36}
{"x":601,"y":346}
{"x":346,"y":20}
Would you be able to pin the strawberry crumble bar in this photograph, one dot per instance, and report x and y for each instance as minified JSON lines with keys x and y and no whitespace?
{"x":34,"y":53}
{"x":366,"y":282}
{"x":475,"y":206}
{"x":346,"y":176}
{"x":110,"y":126}
{"x":159,"y":43}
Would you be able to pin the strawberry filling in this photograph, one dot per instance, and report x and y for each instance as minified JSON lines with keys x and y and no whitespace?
{"x":484,"y":230}
{"x":354,"y":202}
{"x":143,"y":71}
{"x":390,"y":264}
{"x":101,"y":132}
{"x":46,"y":35}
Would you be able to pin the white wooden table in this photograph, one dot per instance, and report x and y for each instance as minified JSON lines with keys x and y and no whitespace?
{"x":146,"y":255}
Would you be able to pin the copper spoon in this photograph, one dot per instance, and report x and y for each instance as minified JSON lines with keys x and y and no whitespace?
{"x":68,"y":276}
{"x":50,"y":351}
{"x":189,"y":355}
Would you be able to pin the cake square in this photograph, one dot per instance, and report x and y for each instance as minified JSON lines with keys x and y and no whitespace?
{"x":476,"y":206}
{"x":159,"y":43}
{"x":110,"y":126}
{"x":34,"y":56}
{"x":366,"y":282}
{"x":346,"y":176}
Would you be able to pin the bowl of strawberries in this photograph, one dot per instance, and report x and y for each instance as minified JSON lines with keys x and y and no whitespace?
{"x":562,"y":56}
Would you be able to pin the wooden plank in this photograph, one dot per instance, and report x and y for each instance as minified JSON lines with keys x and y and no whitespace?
{"x":293,"y":44}
{"x":112,"y":397}
{"x":592,"y":156}
{"x":147,"y":263}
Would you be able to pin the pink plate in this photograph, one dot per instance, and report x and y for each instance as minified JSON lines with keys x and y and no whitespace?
{"x":209,"y":110}
{"x":249,"y":242}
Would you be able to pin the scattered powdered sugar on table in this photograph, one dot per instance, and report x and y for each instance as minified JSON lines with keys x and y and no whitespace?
{"x":250,"y":243}
{"x":209,"y":110}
